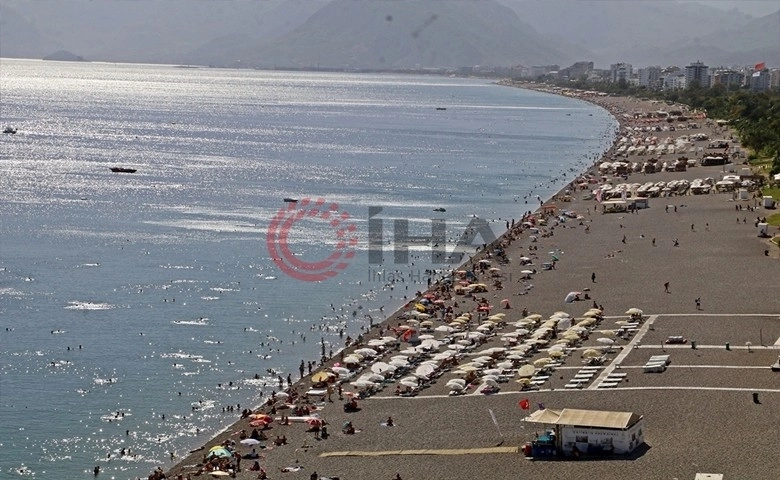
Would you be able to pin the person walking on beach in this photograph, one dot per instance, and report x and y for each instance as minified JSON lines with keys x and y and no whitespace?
{"x":698,"y":303}
{"x":666,"y":287}
{"x":593,"y":277}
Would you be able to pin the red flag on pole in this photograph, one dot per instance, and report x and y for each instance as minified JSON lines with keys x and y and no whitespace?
{"x":525,"y":404}
{"x":760,"y":66}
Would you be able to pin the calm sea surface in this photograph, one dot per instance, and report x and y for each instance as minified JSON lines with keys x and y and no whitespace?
{"x":130,"y":302}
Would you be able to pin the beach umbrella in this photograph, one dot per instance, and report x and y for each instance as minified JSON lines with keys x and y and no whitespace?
{"x":382,"y":368}
{"x":363,"y":384}
{"x":376,"y":342}
{"x":505,"y":365}
{"x":444,"y":329}
{"x":542,"y":362}
{"x":351,"y":359}
{"x":605,"y":341}
{"x":445,"y":355}
{"x":467,"y":368}
{"x":526,"y":371}
{"x":426,"y":324}
{"x":572,"y":296}
{"x":367,"y":352}
{"x":219,"y":473}
{"x":608,"y":333}
{"x":320,"y":377}
{"x":371,"y":377}
{"x":219,"y":451}
{"x":556,"y":354}
{"x":261,"y":416}
{"x":249,"y":442}
{"x":282,"y":395}
{"x":634,"y":311}
{"x":314,"y":422}
{"x":514,"y":356}
{"x":591,"y":353}
{"x":340,"y":370}
{"x":456,"y":347}
{"x":591,"y":314}
{"x":490,"y":382}
{"x":524,"y":381}
{"x":398,"y":363}
{"x":457,"y":381}
{"x":425,"y":370}
{"x":533,"y":317}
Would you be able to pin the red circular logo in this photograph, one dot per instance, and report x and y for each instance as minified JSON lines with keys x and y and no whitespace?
{"x":308,"y":210}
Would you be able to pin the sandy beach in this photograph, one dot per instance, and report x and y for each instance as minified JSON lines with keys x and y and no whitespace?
{"x":699,"y":414}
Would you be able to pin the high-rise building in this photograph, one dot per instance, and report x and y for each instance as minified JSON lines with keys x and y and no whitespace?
{"x":730,"y":79}
{"x":699,"y":73}
{"x":675,"y":81}
{"x":620,"y":71}
{"x":650,"y":77}
{"x":760,"y":81}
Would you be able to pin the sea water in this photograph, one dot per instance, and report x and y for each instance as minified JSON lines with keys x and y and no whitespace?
{"x":135,"y":308}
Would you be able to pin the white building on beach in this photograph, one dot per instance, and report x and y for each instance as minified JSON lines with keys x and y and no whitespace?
{"x":592,"y":432}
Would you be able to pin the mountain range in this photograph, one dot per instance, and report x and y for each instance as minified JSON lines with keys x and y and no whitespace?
{"x":387,"y":34}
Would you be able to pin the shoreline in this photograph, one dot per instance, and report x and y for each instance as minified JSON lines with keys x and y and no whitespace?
{"x":378,"y":329}
{"x":234,"y":427}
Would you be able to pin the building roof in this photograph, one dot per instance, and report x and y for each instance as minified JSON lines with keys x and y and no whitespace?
{"x":584,"y":418}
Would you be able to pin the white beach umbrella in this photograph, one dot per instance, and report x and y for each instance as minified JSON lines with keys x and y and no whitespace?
{"x":382,"y":368}
{"x":526,"y":371}
{"x":605,"y":341}
{"x":425,"y":370}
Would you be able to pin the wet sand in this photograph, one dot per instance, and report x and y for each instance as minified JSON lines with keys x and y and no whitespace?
{"x":699,"y":415}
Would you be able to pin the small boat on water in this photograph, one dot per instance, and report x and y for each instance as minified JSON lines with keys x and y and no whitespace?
{"x":10,"y":130}
{"x":123,"y":170}
{"x":439,"y":209}
{"x":290,"y":200}
{"x":441,"y":108}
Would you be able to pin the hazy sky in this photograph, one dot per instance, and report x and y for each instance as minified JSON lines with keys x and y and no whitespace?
{"x":756,"y":8}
